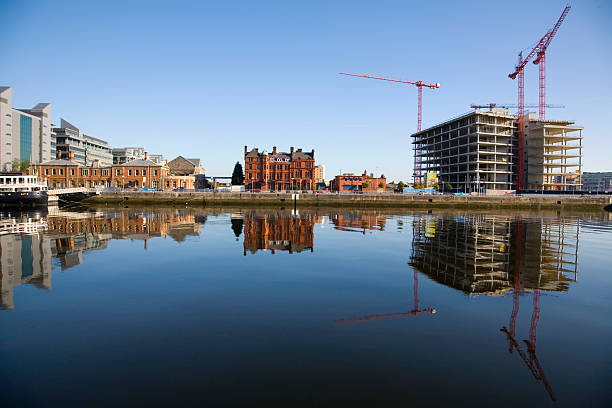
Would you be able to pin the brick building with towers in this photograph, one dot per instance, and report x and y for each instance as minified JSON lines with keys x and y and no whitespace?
{"x":275,"y":170}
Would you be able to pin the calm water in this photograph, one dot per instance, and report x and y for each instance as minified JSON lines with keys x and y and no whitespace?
{"x":211,"y":308}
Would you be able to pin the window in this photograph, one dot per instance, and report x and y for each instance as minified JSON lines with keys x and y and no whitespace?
{"x":61,"y":172}
{"x":53,"y":172}
{"x":155,"y":172}
{"x":129,"y":172}
{"x":72,"y":172}
{"x":144,"y":172}
{"x":46,"y":172}
{"x":117,"y":172}
{"x":136,"y":172}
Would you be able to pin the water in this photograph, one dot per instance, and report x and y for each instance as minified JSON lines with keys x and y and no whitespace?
{"x":184,"y":307}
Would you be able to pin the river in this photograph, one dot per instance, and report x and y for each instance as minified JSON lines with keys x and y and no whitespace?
{"x":197,"y":307}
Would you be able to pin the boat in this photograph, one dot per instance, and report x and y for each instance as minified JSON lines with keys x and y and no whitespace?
{"x":18,"y":189}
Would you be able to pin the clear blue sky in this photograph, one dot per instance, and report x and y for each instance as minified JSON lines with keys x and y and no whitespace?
{"x":203,"y":79}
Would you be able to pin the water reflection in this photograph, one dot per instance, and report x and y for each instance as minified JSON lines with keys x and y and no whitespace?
{"x":30,"y":241}
{"x":496,"y":255}
{"x":277,"y":231}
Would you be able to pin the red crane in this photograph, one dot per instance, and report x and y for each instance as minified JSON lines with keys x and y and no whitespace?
{"x":541,"y":61}
{"x":520,"y":72}
{"x":419,"y":85}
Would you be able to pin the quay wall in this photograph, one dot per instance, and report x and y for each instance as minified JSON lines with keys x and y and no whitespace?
{"x":243,"y":199}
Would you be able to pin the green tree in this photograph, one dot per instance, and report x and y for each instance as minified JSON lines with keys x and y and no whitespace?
{"x":15,"y":165}
{"x":381,"y":185}
{"x":365,"y":186}
{"x":237,"y":175}
{"x":24,"y":166}
{"x":436,"y":186}
{"x":401,"y":186}
{"x":448,"y":187}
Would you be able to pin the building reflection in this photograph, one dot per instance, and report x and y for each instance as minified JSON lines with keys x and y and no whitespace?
{"x":496,"y":255}
{"x":29,"y":242}
{"x":358,"y":222}
{"x":277,"y":231}
{"x":482,"y":254}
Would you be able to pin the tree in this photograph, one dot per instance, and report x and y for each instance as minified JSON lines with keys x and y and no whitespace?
{"x":237,"y":175}
{"x":15,"y":165}
{"x":400,"y":186}
{"x":24,"y":166}
{"x":448,"y":187}
{"x":365,"y":186}
{"x":237,"y":224}
{"x":436,"y":186}
{"x":381,"y":185}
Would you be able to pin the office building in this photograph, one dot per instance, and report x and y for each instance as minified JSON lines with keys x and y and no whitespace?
{"x":597,"y":181}
{"x":25,"y":134}
{"x":86,"y":150}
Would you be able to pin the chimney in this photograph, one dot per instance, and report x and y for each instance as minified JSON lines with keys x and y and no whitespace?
{"x":58,"y":154}
{"x":313,"y":153}
{"x":291,"y":149}
{"x":299,"y":150}
{"x":274,"y":150}
{"x":245,"y":150}
{"x":71,"y":156}
{"x":146,"y":156}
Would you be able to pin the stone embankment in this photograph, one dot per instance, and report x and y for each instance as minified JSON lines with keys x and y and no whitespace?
{"x":350,"y":200}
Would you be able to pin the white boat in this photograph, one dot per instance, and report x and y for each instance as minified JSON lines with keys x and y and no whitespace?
{"x":21,"y":189}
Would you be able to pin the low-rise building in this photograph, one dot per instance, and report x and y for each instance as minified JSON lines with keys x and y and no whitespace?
{"x":597,"y":181}
{"x":181,"y":166}
{"x":349,"y":182}
{"x":62,"y":173}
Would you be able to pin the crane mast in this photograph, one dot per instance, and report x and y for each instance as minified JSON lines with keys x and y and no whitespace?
{"x":419,"y":85}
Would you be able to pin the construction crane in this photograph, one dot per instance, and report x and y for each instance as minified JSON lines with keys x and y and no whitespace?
{"x":519,"y":72}
{"x":541,"y":61}
{"x":419,"y":85}
{"x":491,"y":106}
{"x":414,"y":312}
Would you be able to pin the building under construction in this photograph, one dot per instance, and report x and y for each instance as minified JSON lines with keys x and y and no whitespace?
{"x":478,"y":151}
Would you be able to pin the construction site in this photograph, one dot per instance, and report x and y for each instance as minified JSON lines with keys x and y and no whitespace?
{"x":481,"y":151}
{"x":496,"y":151}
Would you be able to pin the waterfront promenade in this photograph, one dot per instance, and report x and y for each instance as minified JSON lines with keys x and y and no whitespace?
{"x":374,"y":200}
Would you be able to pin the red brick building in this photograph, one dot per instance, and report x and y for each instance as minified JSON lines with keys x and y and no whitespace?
{"x":349,"y":182}
{"x":279,"y":171}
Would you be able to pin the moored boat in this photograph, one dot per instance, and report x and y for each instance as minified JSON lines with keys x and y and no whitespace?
{"x":21,"y":190}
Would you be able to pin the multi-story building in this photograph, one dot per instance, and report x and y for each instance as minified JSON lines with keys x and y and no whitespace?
{"x":25,"y":134}
{"x":319,"y":173}
{"x":278,"y":170}
{"x":86,"y":149}
{"x":349,"y":182}
{"x":553,"y":154}
{"x":479,"y":151}
{"x":597,"y":181}
{"x":125,"y":154}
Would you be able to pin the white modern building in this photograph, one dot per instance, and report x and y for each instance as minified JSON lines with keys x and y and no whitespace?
{"x":25,"y":134}
{"x":86,"y":150}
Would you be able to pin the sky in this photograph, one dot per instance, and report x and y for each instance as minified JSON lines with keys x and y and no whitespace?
{"x":203,"y":79}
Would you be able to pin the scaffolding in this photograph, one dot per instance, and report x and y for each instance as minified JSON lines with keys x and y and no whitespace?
{"x":473,"y":152}
{"x":554,"y":155}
